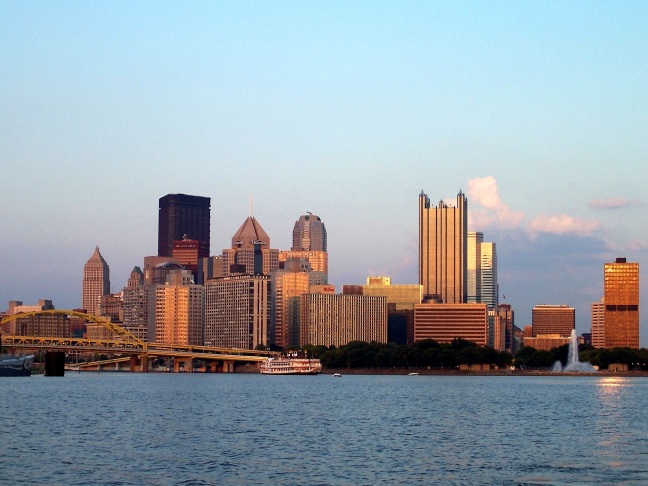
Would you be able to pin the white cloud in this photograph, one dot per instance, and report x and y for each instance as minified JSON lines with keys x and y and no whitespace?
{"x":561,"y":224}
{"x":490,"y":211}
{"x":613,"y":203}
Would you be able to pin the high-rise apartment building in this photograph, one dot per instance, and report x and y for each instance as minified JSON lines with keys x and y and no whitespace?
{"x":237,"y":311}
{"x":250,"y":252}
{"x":182,"y":215}
{"x":96,"y":283}
{"x":598,"y":323}
{"x":501,"y":328}
{"x":179,"y":310}
{"x":443,"y":241}
{"x":309,"y":233}
{"x":553,"y":319}
{"x":621,"y":297}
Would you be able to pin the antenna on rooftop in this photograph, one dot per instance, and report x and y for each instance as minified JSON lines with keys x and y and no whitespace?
{"x":250,"y":205}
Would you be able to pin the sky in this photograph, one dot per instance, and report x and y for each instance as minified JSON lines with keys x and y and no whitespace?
{"x":538,"y":111}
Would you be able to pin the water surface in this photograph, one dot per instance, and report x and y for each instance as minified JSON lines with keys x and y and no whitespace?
{"x":239,"y":429}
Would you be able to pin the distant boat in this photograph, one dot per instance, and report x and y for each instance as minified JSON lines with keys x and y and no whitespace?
{"x":337,"y":375}
{"x":291,"y":366}
{"x":16,"y":365}
{"x":413,"y":374}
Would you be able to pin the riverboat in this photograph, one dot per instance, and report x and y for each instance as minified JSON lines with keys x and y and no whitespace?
{"x":291,"y":366}
{"x":16,"y":365}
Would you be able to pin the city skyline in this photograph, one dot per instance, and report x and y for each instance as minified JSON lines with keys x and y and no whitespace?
{"x":537,"y":112}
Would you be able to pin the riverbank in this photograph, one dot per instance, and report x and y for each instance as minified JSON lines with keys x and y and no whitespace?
{"x":405,"y":372}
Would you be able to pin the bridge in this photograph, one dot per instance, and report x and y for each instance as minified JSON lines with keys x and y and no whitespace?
{"x":140,"y":354}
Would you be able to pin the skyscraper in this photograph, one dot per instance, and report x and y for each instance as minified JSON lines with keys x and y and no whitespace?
{"x":598,"y":323}
{"x":481,"y":260}
{"x":96,"y":283}
{"x":309,"y":234}
{"x":621,"y":297}
{"x":250,"y":252}
{"x":179,"y":310}
{"x":181,"y":215}
{"x":443,"y":241}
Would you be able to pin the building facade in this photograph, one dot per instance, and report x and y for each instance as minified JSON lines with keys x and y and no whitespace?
{"x":443,"y":240}
{"x":179,"y":310}
{"x":553,"y":319}
{"x":96,"y":283}
{"x":621,"y":297}
{"x":482,"y":285}
{"x":446,"y":322}
{"x":598,"y":323}
{"x":330,"y":319}
{"x":180,"y":215}
{"x":237,"y":311}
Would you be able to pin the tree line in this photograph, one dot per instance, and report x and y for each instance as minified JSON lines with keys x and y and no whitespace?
{"x":430,"y":354}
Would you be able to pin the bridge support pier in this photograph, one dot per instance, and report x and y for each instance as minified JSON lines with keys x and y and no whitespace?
{"x":139,"y":364}
{"x":228,"y":366}
{"x":187,"y":365}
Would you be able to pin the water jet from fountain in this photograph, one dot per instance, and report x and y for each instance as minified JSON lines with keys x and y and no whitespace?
{"x":573,"y":363}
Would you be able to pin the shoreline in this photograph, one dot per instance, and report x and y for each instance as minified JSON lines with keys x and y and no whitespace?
{"x":406,"y":372}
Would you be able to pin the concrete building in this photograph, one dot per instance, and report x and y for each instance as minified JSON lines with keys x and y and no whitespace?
{"x":621,"y":297}
{"x":180,"y":215}
{"x":331,"y":319}
{"x":111,"y":306}
{"x":188,"y":252}
{"x":501,"y":324}
{"x":44,"y":325}
{"x":137,"y":305}
{"x":598,"y":323}
{"x":553,"y":319}
{"x":443,"y":240}
{"x":317,"y":259}
{"x":96,"y":283}
{"x":237,"y":311}
{"x":250,"y":253}
{"x":546,"y":342}
{"x":445,"y":322}
{"x":179,"y":310}
{"x":309,"y":234}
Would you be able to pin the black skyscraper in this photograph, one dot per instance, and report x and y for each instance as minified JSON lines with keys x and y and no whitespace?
{"x":182,"y":215}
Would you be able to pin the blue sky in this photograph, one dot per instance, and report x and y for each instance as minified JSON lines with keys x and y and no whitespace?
{"x":537,"y":110}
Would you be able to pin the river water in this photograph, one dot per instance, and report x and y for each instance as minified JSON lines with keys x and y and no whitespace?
{"x":241,"y":429}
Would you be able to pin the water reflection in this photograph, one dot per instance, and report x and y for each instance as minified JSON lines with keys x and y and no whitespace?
{"x":614,"y":382}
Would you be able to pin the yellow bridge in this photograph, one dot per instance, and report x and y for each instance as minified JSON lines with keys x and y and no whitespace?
{"x":139,"y":353}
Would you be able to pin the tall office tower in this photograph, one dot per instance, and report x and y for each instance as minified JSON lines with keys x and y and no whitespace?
{"x":96,"y":282}
{"x":446,"y":322}
{"x":488,"y":270}
{"x":136,"y":304}
{"x":188,"y":252}
{"x":501,"y":328}
{"x":473,"y":262}
{"x":330,"y":319}
{"x":237,"y":311}
{"x":309,"y":234}
{"x":553,"y":319}
{"x":621,"y":296}
{"x":179,"y":310}
{"x":250,"y":253}
{"x":443,"y":242}
{"x":598,"y":323}
{"x":136,"y":278}
{"x":481,"y":261}
{"x":180,"y":215}
{"x":291,"y":281}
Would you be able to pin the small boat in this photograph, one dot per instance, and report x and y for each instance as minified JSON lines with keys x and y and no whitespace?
{"x":337,"y":375}
{"x":413,"y":374}
{"x":16,"y":365}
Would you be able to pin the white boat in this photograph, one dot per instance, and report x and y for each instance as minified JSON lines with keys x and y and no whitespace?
{"x":291,"y":366}
{"x":16,"y":365}
{"x":337,"y":375}
{"x":413,"y":374}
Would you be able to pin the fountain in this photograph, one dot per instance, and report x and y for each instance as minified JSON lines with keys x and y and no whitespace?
{"x":573,"y":364}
